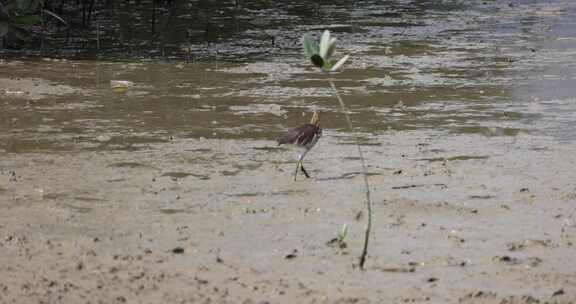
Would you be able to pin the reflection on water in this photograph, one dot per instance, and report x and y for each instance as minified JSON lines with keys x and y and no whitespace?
{"x":488,"y":69}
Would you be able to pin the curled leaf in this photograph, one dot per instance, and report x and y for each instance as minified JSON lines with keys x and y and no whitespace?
{"x":339,"y":64}
{"x":320,"y":54}
{"x":324,"y":44}
{"x":331,"y":48}
{"x":309,"y":46}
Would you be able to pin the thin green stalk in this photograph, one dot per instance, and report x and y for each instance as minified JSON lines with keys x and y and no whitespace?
{"x":364,"y":170}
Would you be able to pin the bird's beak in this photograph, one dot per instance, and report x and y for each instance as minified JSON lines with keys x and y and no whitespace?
{"x":315,"y":119}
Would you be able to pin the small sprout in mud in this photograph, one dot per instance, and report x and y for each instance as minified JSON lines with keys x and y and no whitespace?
{"x":343,"y":233}
{"x":340,"y":240}
{"x":321,"y":53}
{"x":558,"y":292}
{"x":432,"y":280}
{"x":178,"y":250}
{"x":505,"y":259}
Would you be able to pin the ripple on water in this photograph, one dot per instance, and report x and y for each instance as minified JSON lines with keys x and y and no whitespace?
{"x":273,"y":109}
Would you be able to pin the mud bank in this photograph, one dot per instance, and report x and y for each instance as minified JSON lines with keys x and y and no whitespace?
{"x":458,"y":219}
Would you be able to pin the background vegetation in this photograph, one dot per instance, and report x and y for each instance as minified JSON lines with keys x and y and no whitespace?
{"x":179,"y":28}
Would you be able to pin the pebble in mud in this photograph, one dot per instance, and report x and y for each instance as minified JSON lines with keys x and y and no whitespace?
{"x":292,"y":255}
{"x":493,"y":297}
{"x":178,"y":250}
{"x":558,"y":292}
{"x":529,"y":262}
{"x":506,"y":259}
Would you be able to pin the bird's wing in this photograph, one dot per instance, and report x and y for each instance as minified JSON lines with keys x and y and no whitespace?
{"x":299,"y":136}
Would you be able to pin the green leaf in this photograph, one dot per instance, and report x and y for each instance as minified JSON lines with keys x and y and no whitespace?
{"x":331,"y":48}
{"x":327,"y":65}
{"x":309,"y":46}
{"x":324,"y":44}
{"x":27,"y":20}
{"x":343,"y":233}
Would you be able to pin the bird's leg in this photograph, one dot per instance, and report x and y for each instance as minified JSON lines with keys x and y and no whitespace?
{"x":304,"y":170}
{"x":298,"y":166}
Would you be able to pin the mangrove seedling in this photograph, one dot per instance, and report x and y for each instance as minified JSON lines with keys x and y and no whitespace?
{"x":320,"y":55}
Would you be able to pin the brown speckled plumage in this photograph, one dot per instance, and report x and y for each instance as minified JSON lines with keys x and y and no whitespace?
{"x":305,"y":136}
{"x":301,"y":136}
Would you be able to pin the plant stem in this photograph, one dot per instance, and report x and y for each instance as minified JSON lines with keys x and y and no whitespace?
{"x":364,"y":170}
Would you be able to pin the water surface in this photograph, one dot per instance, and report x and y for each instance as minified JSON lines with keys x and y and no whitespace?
{"x":481,"y":68}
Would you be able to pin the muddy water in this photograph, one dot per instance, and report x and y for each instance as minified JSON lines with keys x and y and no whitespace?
{"x":175,"y":189}
{"x":482,"y":69}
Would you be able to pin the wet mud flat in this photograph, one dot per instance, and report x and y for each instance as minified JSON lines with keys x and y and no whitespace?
{"x":458,"y":219}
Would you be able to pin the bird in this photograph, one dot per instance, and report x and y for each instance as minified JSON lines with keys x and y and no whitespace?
{"x":304,"y":136}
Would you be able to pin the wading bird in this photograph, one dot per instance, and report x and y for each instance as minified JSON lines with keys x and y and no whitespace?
{"x":304,"y":136}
